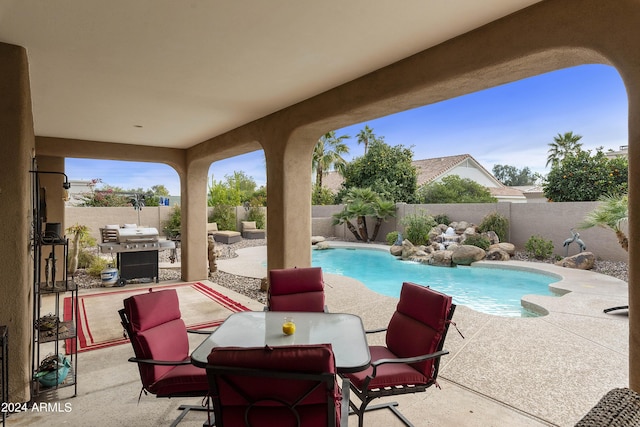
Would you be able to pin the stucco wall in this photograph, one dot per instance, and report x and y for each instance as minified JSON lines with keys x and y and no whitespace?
{"x":551,"y":221}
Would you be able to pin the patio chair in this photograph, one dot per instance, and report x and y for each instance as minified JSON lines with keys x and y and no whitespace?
{"x":410,"y":361}
{"x":296,"y":289}
{"x":277,"y":386}
{"x":159,"y":338}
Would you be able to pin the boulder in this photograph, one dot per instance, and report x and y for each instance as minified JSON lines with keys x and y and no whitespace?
{"x":469,"y":231}
{"x":497,"y":254}
{"x":461,"y":226}
{"x":466,"y":254}
{"x":581,"y":261}
{"x":492,"y":236}
{"x":396,"y":250}
{"x":317,"y":239}
{"x":441,"y":258}
{"x":321,"y":246}
{"x":407,"y":249}
{"x":509,"y":248}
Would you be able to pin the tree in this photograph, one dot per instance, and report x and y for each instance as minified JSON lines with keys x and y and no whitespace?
{"x":582,"y":177}
{"x":328,"y":153}
{"x":366,"y":137}
{"x":561,"y":146}
{"x":612,"y":212}
{"x":360,"y":203}
{"x":221,"y":193}
{"x":512,"y":176}
{"x":453,"y":189}
{"x":386,"y":169}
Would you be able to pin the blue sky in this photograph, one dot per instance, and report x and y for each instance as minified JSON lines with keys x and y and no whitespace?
{"x":510,"y":125}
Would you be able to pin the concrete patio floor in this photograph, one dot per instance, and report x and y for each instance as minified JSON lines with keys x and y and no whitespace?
{"x":541,"y":371}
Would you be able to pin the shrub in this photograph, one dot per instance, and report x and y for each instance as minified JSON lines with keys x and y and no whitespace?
{"x":392,"y":237}
{"x":417,"y":227}
{"x":323,"y":196}
{"x":171,"y":227}
{"x":538,"y":247}
{"x":256,"y":214}
{"x":497,"y":223}
{"x":225,"y":217}
{"x":477,"y":240}
{"x":97,"y":265}
{"x":442,"y":219}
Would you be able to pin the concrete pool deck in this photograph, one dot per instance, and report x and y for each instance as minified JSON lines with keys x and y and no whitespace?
{"x":549,"y":370}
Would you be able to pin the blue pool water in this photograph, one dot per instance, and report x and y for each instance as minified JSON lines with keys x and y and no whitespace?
{"x":488,"y":290}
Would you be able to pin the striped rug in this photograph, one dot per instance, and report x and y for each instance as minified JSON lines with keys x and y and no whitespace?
{"x":99,"y":322}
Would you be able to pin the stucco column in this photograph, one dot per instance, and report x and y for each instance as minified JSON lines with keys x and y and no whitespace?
{"x":17,"y":144}
{"x":633,"y":89}
{"x":193,"y":217}
{"x":289,"y":193}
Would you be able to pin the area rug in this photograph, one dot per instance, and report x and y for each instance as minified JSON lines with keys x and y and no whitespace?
{"x":99,"y":322}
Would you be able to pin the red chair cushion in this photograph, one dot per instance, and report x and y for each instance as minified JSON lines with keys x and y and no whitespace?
{"x":387,"y":375}
{"x":296,"y":289}
{"x":152,"y":309}
{"x":303,"y":359}
{"x":181,"y":380}
{"x":158,"y":333}
{"x":418,"y":324}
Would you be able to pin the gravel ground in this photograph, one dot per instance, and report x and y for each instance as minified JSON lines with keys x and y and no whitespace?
{"x":251,"y":287}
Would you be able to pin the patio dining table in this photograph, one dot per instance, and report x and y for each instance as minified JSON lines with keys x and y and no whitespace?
{"x":343,"y":331}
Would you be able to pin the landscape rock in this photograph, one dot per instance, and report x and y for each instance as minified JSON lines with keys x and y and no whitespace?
{"x":317,"y":239}
{"x":497,"y":254}
{"x":492,"y":236}
{"x":461,"y":226}
{"x":466,"y":254}
{"x":581,"y":261}
{"x":441,"y":258}
{"x":408,"y":250}
{"x":320,"y":246}
{"x":509,"y":248}
{"x":396,"y":250}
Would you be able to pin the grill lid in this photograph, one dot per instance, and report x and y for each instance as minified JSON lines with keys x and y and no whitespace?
{"x":141,"y":234}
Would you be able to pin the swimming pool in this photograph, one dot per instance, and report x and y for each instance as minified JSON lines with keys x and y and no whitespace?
{"x":489,"y":290}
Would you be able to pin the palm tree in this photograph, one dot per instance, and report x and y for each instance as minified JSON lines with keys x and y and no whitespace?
{"x":360,"y":203}
{"x":327,"y":154}
{"x":561,"y":146}
{"x":366,"y":136}
{"x":383,"y":209}
{"x":612,"y":212}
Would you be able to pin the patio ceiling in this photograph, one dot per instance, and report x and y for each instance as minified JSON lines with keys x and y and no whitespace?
{"x":175,"y":73}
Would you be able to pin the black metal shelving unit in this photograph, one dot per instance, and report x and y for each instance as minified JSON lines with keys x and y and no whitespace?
{"x":53,"y":333}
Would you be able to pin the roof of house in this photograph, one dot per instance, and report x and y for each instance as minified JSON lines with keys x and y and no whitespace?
{"x":428,"y":170}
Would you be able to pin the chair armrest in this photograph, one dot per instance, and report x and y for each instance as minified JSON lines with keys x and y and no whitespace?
{"x":160,"y":362}
{"x":411,"y":359}
{"x":375,"y":331}
{"x":405,"y":360}
{"x":199,"y":331}
{"x":344,"y":405}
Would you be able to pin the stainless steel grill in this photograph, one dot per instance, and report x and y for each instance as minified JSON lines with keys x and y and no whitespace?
{"x":136,"y":249}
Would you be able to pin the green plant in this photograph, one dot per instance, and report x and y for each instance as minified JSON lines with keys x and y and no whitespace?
{"x":478,"y":240}
{"x":454,"y":189}
{"x":171,"y":227}
{"x":442,"y":219}
{"x":392,"y":237}
{"x":97,"y":265}
{"x":256,"y":214}
{"x":497,"y":223}
{"x":417,"y":227}
{"x":538,"y":247}
{"x":322,"y":196}
{"x":224,"y":216}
